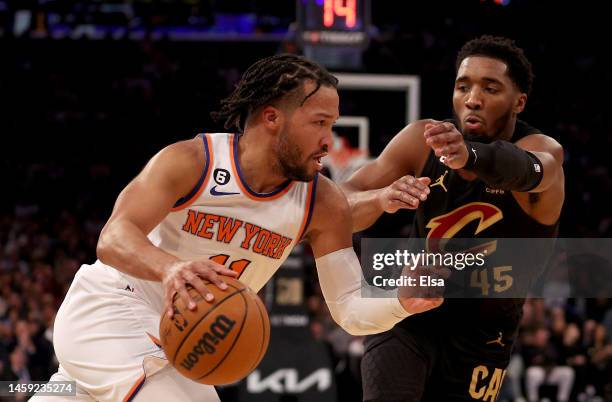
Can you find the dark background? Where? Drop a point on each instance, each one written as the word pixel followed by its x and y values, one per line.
pixel 79 117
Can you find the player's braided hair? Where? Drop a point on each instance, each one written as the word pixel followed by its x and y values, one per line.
pixel 268 80
pixel 504 49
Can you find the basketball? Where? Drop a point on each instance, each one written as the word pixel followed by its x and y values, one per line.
pixel 219 342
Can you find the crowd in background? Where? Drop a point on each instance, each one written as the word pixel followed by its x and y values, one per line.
pixel 79 118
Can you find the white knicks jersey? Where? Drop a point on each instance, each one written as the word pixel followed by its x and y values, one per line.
pixel 224 220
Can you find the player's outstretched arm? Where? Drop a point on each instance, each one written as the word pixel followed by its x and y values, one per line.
pixel 141 206
pixel 389 182
pixel 534 164
pixel 340 273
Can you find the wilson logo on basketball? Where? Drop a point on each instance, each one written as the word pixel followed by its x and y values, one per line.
pixel 217 332
pixel 180 322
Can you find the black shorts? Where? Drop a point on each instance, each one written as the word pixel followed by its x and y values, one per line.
pixel 424 365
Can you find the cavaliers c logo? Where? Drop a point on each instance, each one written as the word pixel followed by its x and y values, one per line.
pixel 448 225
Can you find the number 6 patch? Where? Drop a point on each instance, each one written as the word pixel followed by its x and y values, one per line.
pixel 221 176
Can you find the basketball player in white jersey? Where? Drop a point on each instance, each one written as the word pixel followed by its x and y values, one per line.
pixel 219 204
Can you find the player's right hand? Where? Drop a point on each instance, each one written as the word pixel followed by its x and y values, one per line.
pixel 407 192
pixel 180 273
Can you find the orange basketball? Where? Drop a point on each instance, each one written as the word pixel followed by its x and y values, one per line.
pixel 219 342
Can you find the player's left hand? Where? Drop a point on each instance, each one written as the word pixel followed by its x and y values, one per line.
pixel 423 295
pixel 447 143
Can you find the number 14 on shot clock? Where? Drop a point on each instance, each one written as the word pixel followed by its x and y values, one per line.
pixel 334 22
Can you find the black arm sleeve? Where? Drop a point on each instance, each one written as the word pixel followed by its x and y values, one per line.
pixel 503 165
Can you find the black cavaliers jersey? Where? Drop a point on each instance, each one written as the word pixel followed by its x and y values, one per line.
pixel 460 208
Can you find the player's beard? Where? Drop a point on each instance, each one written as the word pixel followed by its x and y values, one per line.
pixel 498 126
pixel 290 160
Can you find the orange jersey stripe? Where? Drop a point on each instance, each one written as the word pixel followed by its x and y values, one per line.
pixel 209 164
pixel 156 341
pixel 309 207
pixel 135 388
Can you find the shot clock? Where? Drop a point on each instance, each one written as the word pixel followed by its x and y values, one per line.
pixel 333 22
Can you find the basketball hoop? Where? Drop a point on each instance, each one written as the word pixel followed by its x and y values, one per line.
pixel 343 159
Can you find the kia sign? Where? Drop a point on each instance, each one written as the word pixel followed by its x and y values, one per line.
pixel 287 381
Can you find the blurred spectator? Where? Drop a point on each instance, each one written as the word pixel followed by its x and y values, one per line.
pixel 541 359
pixel 600 364
pixel 17 369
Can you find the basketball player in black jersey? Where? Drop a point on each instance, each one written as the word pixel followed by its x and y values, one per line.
pixel 490 175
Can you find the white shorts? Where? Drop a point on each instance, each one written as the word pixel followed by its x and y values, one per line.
pixel 104 338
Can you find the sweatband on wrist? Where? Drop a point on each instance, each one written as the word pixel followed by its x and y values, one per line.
pixel 503 165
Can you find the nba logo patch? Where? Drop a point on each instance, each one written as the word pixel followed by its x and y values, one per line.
pixel 537 168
